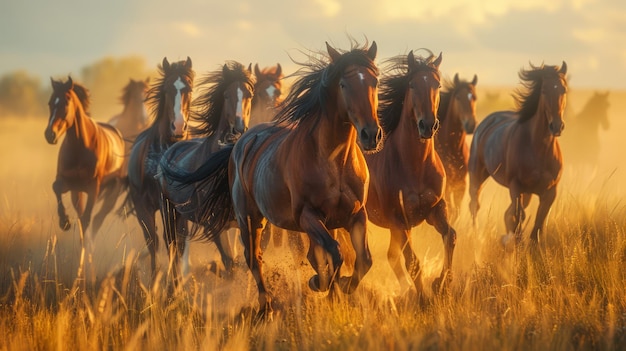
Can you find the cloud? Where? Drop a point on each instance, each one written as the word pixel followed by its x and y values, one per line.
pixel 188 29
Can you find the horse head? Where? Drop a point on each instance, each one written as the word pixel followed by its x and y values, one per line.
pixel 63 106
pixel 553 97
pixel 357 85
pixel 177 88
pixel 423 93
pixel 464 100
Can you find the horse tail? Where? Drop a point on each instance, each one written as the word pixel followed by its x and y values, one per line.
pixel 216 210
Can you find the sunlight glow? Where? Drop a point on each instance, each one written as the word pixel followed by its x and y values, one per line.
pixel 188 28
pixel 330 8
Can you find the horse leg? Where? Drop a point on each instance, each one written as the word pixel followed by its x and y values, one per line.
pixel 545 202
pixel 318 258
pixel 251 233
pixel 59 188
pixel 319 235
pixel 111 194
pixel 222 242
pixel 92 196
pixel 458 192
pixel 174 239
pixel 400 243
pixel 78 200
pixel 363 259
pixel 438 218
pixel 476 180
pixel 515 214
pixel 146 219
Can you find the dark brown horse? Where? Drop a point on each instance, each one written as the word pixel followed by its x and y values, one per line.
pixel 457 117
pixel 223 115
pixel 90 158
pixel 267 93
pixel 170 100
pixel 306 172
pixel 407 176
pixel 520 150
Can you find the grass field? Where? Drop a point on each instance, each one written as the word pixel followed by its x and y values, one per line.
pixel 54 295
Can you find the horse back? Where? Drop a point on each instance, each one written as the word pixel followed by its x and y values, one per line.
pixel 111 150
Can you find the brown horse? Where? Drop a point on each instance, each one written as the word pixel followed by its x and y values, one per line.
pixel 170 100
pixel 457 117
pixel 305 172
pixel 267 92
pixel 224 113
pixel 520 150
pixel 134 117
pixel 90 158
pixel 407 176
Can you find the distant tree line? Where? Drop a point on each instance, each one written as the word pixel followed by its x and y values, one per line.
pixel 24 94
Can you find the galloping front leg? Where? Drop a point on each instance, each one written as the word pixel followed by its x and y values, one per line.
pixel 438 218
pixel 92 196
pixel 545 203
pixel 514 215
pixel 59 188
pixel 476 180
pixel 363 260
pixel 112 192
pixel 319 234
pixel 251 234
pixel 400 243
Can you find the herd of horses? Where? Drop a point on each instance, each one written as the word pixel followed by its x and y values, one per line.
pixel 351 143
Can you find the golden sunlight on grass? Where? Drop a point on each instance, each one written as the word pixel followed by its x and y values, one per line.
pixel 56 295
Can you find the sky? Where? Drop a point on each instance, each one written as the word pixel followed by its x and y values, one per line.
pixel 491 38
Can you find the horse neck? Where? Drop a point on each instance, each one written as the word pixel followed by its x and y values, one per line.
pixel 333 134
pixel 451 132
pixel 135 110
pixel 83 129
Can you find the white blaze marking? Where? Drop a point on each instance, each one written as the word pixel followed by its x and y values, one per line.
pixel 239 99
pixel 469 96
pixel 270 91
pixel 178 109
pixel 362 77
pixel 54 112
pixel 425 79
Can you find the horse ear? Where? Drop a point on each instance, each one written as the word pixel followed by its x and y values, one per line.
pixel 165 64
pixel 257 71
pixel 279 70
pixel 410 58
pixel 563 69
pixel 373 50
pixel 437 61
pixel 147 80
pixel 188 63
pixel 70 82
pixel 475 80
pixel 225 69
pixel 250 67
pixel 334 54
pixel 456 79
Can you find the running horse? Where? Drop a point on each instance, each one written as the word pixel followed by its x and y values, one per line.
pixel 306 172
pixel 134 117
pixel 457 118
pixel 407 176
pixel 90 158
pixel 520 150
pixel 169 99
pixel 268 89
pixel 223 115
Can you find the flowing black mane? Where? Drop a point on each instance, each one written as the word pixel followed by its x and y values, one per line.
pixel 210 103
pixel 309 93
pixel 394 85
pixel 527 98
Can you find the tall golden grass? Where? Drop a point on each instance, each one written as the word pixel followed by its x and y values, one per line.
pixel 57 295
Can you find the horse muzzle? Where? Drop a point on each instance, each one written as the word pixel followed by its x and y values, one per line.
pixel 556 128
pixel 51 136
pixel 371 139
pixel 427 131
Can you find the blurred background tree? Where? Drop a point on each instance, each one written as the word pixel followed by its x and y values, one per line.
pixel 23 94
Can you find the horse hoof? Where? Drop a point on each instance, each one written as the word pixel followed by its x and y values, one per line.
pixel 65 224
pixel 314 283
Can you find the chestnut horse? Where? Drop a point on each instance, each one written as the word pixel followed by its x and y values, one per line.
pixel 267 92
pixel 520 150
pixel 170 100
pixel 407 176
pixel 223 115
pixel 305 172
pixel 90 158
pixel 457 118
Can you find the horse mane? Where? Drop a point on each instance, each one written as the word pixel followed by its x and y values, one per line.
pixel 83 96
pixel 394 85
pixel 127 92
pixel 309 94
pixel 527 98
pixel 211 101
pixel 447 92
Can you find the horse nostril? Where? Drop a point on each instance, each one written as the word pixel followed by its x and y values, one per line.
pixel 364 134
pixel 379 135
pixel 173 126
pixel 421 125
